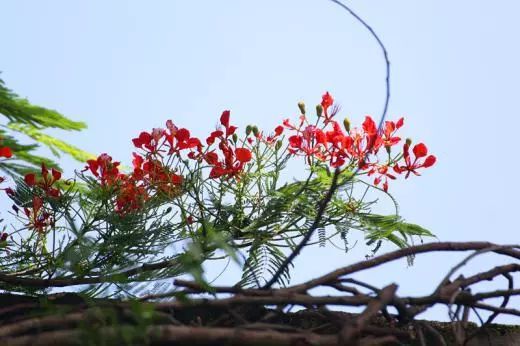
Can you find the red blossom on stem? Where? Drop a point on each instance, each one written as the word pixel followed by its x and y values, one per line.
pixel 326 102
pixel 233 158
pixel 420 150
pixel 104 169
pixel 46 182
pixel 6 152
pixel 358 147
pixel 227 156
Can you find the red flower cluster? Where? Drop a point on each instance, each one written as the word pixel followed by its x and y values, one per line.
pixel 151 173
pixel 38 218
pixel 46 182
pixel 155 166
pixel 233 158
pixel 357 146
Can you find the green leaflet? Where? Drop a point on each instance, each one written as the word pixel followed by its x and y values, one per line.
pixel 18 109
pixel 54 144
pixel 30 120
pixel 385 227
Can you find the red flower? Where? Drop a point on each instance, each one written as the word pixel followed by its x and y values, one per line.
pixel 130 196
pixel 308 142
pixel 326 102
pixel 104 169
pixel 270 139
pixel 389 139
pixel 243 155
pixel 46 182
pixel 30 179
pixel 232 164
pixel 180 139
pixel 420 150
pixel 144 140
pixel 382 171
pixel 6 152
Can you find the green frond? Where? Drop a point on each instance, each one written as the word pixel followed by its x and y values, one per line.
pixel 19 110
pixel 54 144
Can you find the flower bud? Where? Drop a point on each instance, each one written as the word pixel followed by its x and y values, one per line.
pixel 235 138
pixel 278 145
pixel 248 129
pixel 346 124
pixel 319 110
pixel 255 130
pixel 408 141
pixel 301 105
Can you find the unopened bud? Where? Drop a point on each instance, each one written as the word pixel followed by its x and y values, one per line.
pixel 346 124
pixel 248 129
pixel 319 110
pixel 301 105
pixel 235 138
pixel 278 145
pixel 408 141
pixel 255 130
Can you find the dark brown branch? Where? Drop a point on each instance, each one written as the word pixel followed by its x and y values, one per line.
pixel 350 331
pixel 392 256
pixel 184 335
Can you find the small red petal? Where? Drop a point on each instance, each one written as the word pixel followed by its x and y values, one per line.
pixel 217 172
pixel 243 154
pixel 182 135
pixel 230 130
pixel 37 204
pixel 176 179
pixel 326 100
pixel 137 161
pixel 224 118
pixel 6 152
pixel 430 161
pixel 278 130
pixel 211 158
pixel 194 142
pixel 30 179
pixel 44 171
pixel 295 141
pixel 369 125
pixel 56 174
pixel 420 150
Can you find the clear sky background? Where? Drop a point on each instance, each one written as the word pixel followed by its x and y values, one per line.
pixel 127 66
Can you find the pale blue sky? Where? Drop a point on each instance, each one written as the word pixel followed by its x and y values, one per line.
pixel 125 66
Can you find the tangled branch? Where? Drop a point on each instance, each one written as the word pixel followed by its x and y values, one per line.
pixel 247 316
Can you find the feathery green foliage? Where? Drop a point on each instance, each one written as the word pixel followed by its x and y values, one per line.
pixel 31 120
